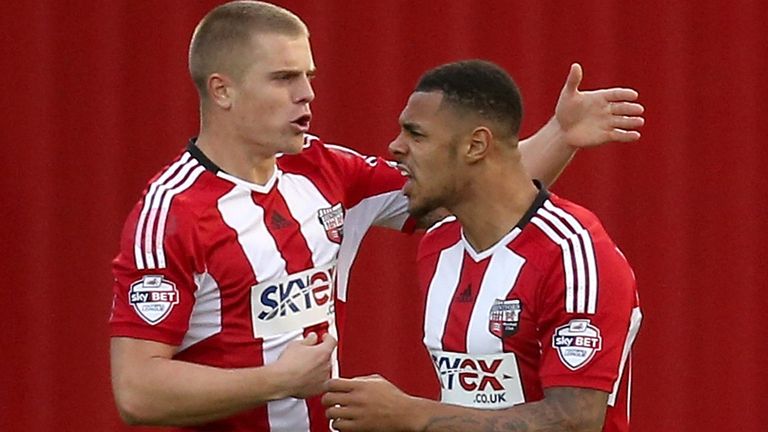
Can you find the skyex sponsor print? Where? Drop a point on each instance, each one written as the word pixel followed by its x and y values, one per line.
pixel 153 297
pixel 293 302
pixel 490 381
pixel 577 342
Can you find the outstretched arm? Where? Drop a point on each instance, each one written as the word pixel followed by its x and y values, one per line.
pixel 374 404
pixel 582 119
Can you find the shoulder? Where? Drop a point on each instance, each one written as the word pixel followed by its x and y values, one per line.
pixel 441 235
pixel 318 152
pixel 561 221
pixel 171 204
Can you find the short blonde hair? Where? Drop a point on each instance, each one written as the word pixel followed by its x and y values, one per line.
pixel 222 36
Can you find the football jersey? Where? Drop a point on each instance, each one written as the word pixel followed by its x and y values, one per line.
pixel 553 303
pixel 231 272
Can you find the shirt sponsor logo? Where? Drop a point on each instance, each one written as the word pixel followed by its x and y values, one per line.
pixel 577 342
pixel 293 302
pixel 504 317
pixel 332 219
pixel 153 297
pixel 482 381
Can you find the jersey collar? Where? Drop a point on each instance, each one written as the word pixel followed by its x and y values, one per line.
pixel 198 154
pixel 541 197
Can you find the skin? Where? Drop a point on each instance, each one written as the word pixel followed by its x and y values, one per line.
pixel 374 404
pixel 249 120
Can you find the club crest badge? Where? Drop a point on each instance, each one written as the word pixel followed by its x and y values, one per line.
pixel 504 317
pixel 577 342
pixel 153 297
pixel 332 219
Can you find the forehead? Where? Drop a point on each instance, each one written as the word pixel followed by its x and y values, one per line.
pixel 280 51
pixel 422 106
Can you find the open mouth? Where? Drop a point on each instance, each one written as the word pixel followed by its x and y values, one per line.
pixel 302 122
pixel 404 170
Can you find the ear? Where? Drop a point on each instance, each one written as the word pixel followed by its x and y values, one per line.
pixel 479 144
pixel 220 91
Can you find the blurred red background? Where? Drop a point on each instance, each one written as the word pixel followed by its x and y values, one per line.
pixel 96 98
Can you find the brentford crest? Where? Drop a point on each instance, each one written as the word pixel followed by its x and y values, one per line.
pixel 332 219
pixel 504 317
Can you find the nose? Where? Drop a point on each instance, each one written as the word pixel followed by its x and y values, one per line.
pixel 304 92
pixel 398 147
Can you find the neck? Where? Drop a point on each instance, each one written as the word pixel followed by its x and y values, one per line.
pixel 245 160
pixel 493 207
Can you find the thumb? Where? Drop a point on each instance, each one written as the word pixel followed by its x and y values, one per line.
pixel 310 339
pixel 574 79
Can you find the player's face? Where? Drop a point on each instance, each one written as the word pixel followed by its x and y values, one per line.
pixel 271 103
pixel 427 152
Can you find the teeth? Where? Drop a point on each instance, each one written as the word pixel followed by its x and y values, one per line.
pixel 404 171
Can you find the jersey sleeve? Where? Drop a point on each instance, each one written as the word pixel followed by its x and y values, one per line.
pixel 154 285
pixel 373 189
pixel 586 320
pixel 373 196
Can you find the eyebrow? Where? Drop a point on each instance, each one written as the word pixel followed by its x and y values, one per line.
pixel 294 72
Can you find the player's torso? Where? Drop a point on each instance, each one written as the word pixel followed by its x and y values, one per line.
pixel 266 265
pixel 484 349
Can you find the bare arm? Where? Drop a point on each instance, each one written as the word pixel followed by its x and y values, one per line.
pixel 562 409
pixel 151 388
pixel 582 119
pixel 374 404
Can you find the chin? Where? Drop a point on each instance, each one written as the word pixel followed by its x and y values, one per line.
pixel 418 211
pixel 294 146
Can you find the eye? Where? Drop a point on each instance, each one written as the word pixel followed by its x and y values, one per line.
pixel 417 136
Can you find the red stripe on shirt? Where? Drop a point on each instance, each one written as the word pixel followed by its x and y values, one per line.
pixel 462 304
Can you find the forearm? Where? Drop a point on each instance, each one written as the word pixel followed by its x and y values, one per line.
pixel 563 409
pixel 537 416
pixel 171 392
pixel 546 153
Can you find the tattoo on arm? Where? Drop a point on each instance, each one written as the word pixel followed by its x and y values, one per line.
pixel 563 409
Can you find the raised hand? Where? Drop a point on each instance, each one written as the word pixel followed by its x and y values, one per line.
pixel 592 118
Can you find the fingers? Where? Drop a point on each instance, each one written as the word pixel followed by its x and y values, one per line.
pixel 626 108
pixel 370 377
pixel 331 399
pixel 574 79
pixel 619 135
pixel 329 341
pixel 342 424
pixel 340 385
pixel 310 339
pixel 627 123
pixel 618 94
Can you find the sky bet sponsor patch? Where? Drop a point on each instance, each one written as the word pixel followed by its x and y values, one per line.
pixel 577 342
pixel 153 297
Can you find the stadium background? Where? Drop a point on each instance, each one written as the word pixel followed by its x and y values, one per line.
pixel 95 99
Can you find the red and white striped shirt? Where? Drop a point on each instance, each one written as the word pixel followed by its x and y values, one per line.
pixel 231 272
pixel 553 303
